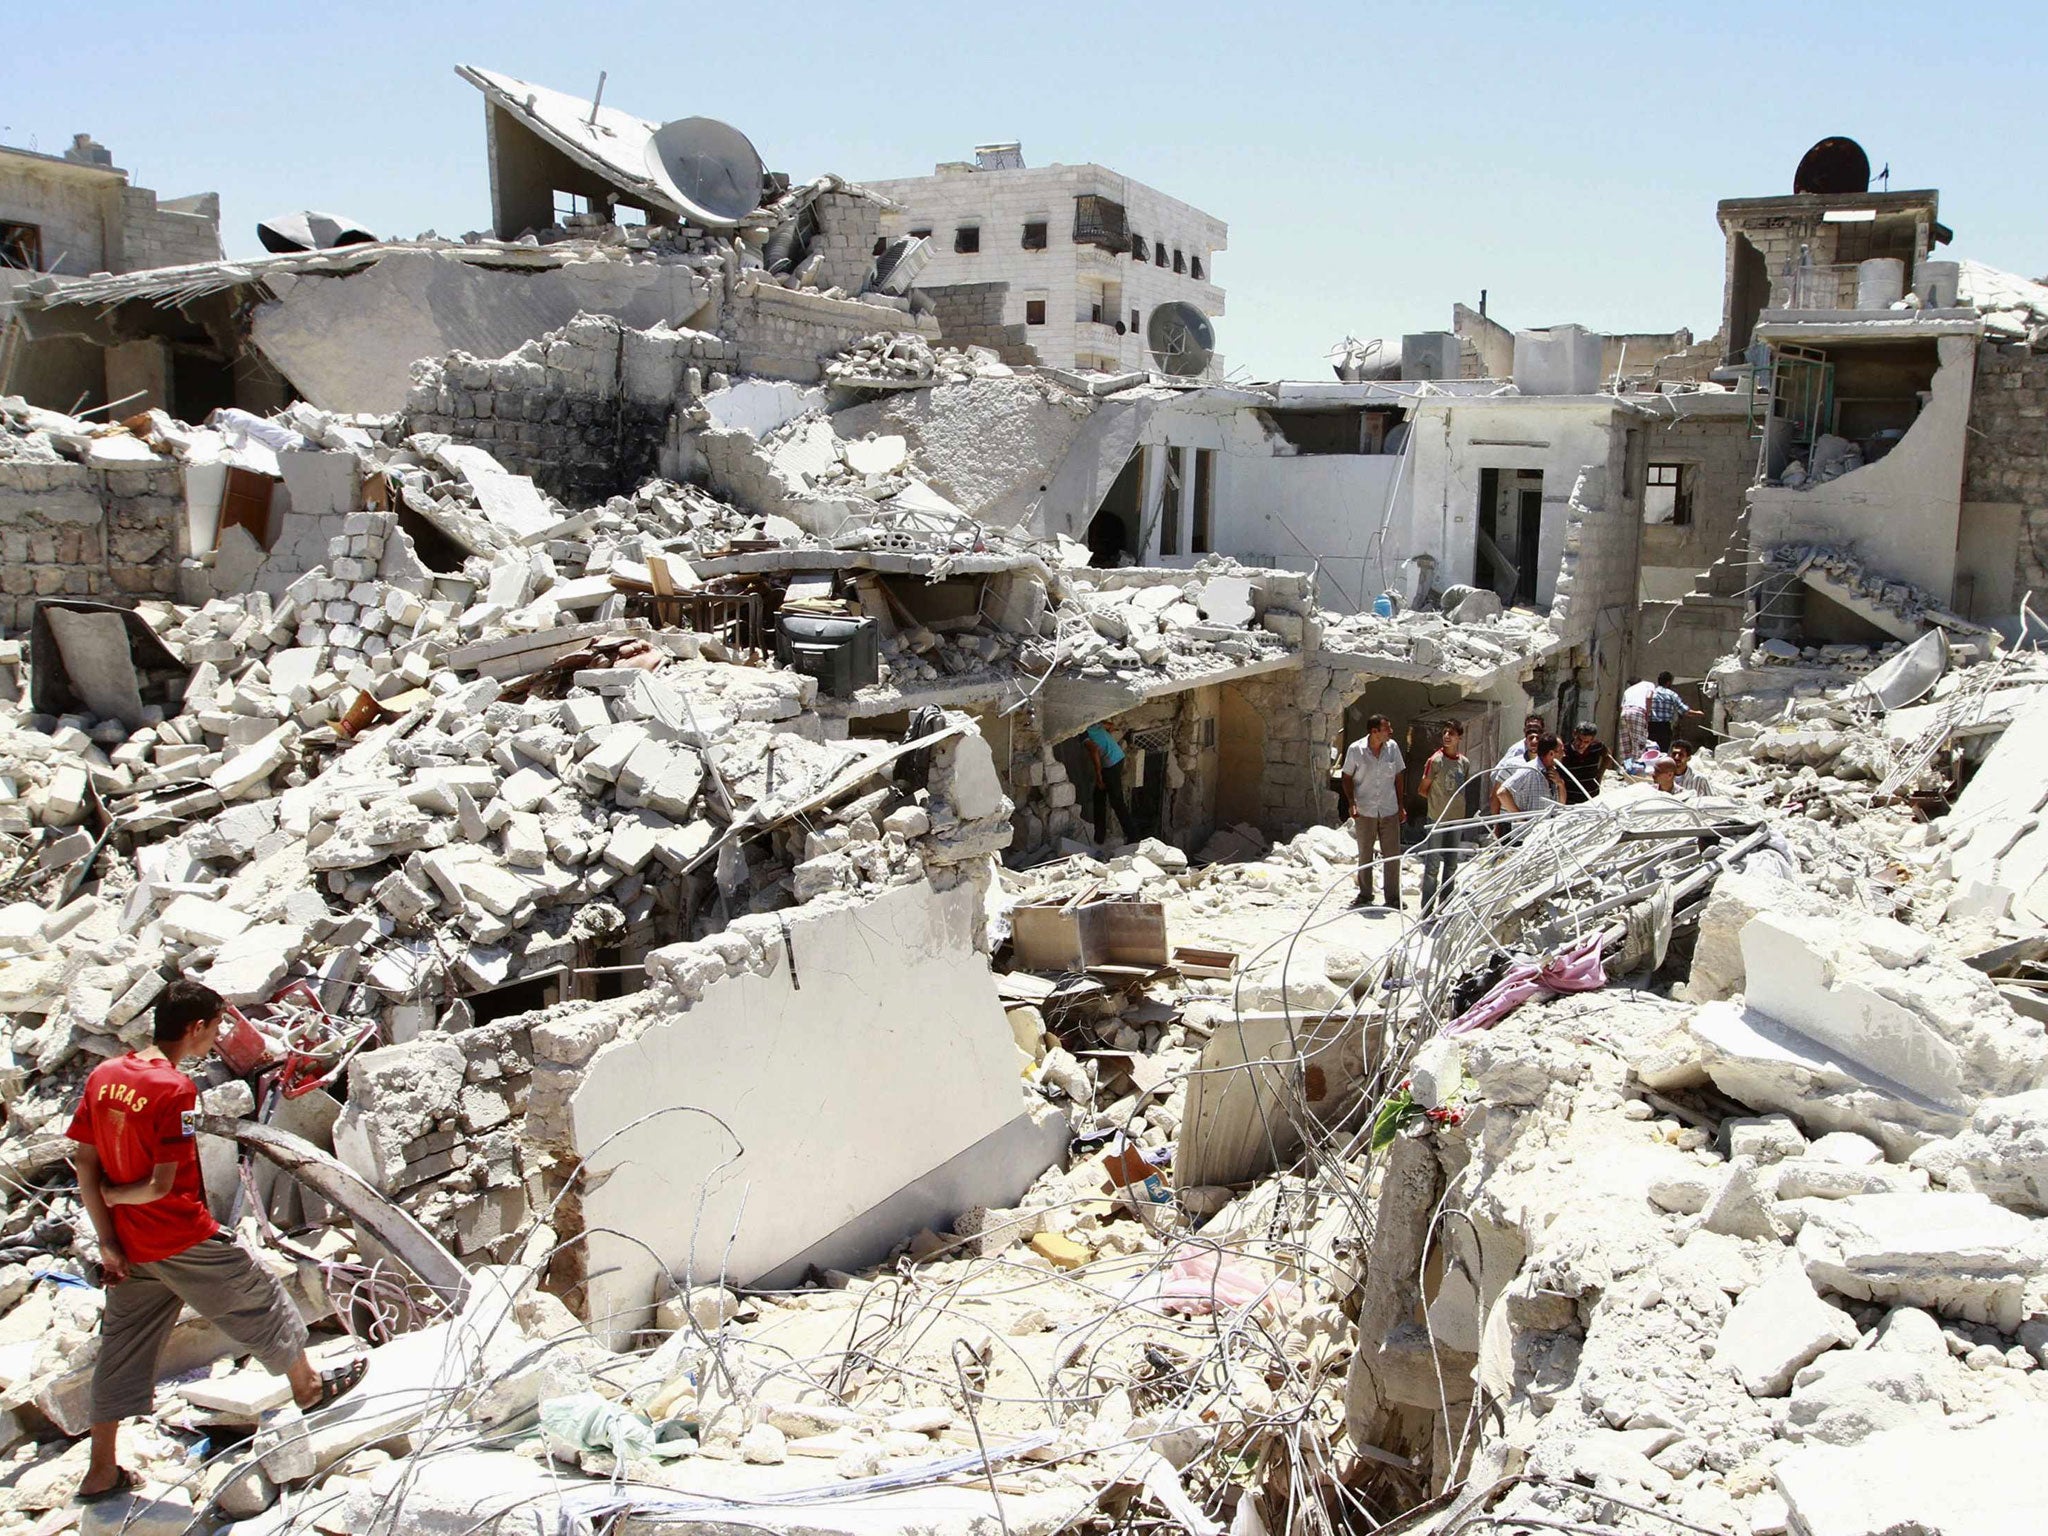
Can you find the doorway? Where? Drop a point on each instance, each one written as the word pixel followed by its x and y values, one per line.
pixel 1510 533
pixel 1113 533
pixel 1240 758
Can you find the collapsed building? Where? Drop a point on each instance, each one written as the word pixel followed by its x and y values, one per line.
pixel 609 717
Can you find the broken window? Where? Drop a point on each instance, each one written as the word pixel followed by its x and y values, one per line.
pixel 570 206
pixel 1205 496
pixel 1323 431
pixel 1179 265
pixel 21 246
pixel 1667 495
pixel 967 239
pixel 1134 322
pixel 921 234
pixel 1034 236
pixel 1159 255
pixel 1034 311
pixel 1195 268
pixel 1100 222
pixel 1139 250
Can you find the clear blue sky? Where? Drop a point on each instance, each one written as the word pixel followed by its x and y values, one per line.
pixel 1374 162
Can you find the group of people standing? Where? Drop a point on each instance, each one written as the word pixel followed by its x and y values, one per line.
pixel 1463 804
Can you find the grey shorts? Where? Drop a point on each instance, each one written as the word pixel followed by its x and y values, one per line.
pixel 220 1282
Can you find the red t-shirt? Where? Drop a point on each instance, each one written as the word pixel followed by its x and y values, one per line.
pixel 136 1112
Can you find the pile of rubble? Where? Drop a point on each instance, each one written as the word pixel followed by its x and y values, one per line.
pixel 885 361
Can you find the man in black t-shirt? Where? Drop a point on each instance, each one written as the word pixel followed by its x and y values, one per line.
pixel 1583 760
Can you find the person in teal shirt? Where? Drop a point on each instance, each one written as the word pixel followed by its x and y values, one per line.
pixel 1109 783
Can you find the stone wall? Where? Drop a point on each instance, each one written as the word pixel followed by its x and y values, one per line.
pixel 2008 451
pixel 849 224
pixel 1721 458
pixel 154 234
pixel 585 410
pixel 72 530
pixel 971 315
pixel 786 333
pixel 1688 636
pixel 435 1123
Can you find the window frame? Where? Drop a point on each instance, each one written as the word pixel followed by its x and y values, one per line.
pixel 1043 227
pixel 966 239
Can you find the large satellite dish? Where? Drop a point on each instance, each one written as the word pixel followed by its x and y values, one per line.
pixel 710 166
pixel 1181 339
pixel 1833 165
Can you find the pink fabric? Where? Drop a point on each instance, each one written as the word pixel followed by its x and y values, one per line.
pixel 1202 1279
pixel 1573 970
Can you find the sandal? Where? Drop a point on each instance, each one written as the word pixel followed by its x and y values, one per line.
pixel 338 1382
pixel 124 1483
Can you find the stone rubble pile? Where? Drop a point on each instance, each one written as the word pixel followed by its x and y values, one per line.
pixel 903 359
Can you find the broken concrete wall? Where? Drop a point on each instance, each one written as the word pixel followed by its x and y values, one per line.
pixel 2005 484
pixel 820 1061
pixel 78 530
pixel 1561 437
pixel 435 1124
pixel 786 333
pixel 1324 511
pixel 849 224
pixel 348 342
pixel 586 411
pixel 156 233
pixel 971 315
pixel 1688 637
pixel 1707 436
pixel 1900 515
pixel 987 445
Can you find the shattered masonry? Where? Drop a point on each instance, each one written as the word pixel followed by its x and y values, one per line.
pixel 609 702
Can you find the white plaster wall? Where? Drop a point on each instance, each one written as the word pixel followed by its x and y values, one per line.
pixel 1002 202
pixel 885 1056
pixel 1325 508
pixel 1453 441
pixel 1900 515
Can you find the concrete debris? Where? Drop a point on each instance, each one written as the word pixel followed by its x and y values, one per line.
pixel 775 865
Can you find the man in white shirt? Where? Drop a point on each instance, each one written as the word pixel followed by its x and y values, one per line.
pixel 1516 758
pixel 1375 788
pixel 1533 786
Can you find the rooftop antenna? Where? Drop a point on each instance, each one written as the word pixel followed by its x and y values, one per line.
pixel 1885 176
pixel 598 97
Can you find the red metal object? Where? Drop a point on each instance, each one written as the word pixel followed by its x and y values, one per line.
pixel 241 1045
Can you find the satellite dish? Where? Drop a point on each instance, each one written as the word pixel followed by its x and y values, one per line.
pixel 709 166
pixel 311 231
pixel 1833 165
pixel 1181 339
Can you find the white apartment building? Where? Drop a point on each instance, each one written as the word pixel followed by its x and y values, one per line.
pixel 1077 255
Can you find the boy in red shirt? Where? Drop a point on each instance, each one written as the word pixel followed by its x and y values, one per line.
pixel 138 1174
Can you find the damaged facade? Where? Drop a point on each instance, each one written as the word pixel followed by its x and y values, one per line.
pixel 614 703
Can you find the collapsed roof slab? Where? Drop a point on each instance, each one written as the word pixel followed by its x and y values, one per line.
pixel 533 130
pixel 350 345
pixel 1071 702
pixel 346 325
